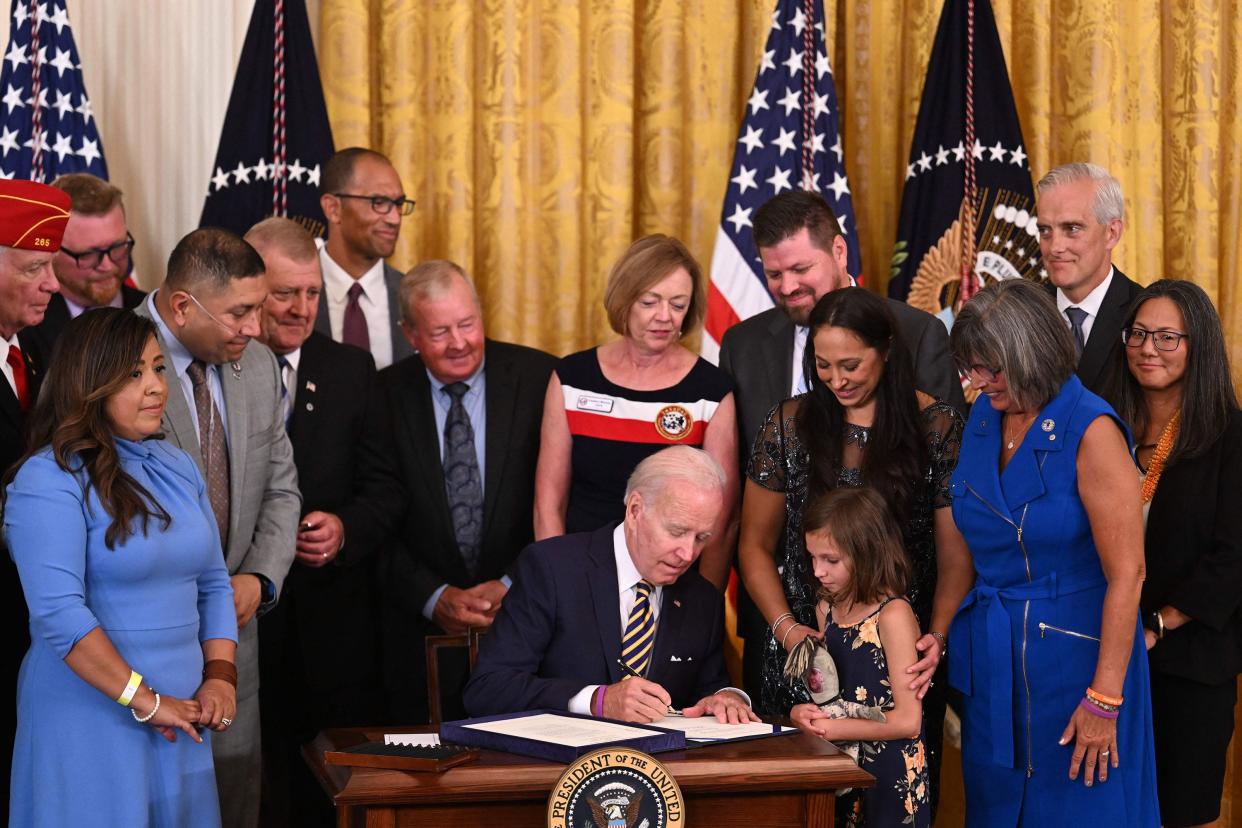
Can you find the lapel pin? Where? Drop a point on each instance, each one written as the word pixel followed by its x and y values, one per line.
pixel 236 370
pixel 1048 425
pixel 310 406
pixel 310 386
pixel 677 603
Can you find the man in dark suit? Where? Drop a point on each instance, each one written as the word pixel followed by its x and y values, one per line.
pixel 318 655
pixel 1080 214
pixel 94 256
pixel 804 257
pixel 363 201
pixel 464 415
pixel 614 622
pixel 32 220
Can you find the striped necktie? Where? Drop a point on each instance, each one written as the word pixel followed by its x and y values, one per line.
pixel 639 635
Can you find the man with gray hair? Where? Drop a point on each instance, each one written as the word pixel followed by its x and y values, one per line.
pixel 1080 214
pixel 615 623
pixel 463 417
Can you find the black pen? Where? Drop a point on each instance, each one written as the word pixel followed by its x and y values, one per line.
pixel 632 673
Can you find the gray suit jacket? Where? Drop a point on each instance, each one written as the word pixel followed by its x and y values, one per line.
pixel 401 347
pixel 264 502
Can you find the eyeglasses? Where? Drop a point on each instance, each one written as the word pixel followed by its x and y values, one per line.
pixel 982 371
pixel 1163 340
pixel 91 259
pixel 383 204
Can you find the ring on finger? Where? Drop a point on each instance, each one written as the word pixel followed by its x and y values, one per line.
pixel 226 721
pixel 1105 752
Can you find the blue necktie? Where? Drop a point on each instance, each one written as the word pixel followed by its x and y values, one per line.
pixel 462 482
pixel 1076 317
pixel 639 635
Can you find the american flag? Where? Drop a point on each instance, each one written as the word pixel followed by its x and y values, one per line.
pixel 47 127
pixel 791 137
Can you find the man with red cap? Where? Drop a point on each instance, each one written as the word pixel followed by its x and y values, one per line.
pixel 32 221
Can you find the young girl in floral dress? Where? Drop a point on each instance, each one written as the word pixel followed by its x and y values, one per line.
pixel 869 629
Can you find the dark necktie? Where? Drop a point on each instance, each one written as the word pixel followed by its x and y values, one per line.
pixel 18 363
pixel 214 449
pixel 639 631
pixel 286 404
pixel 354 329
pixel 1076 317
pixel 462 482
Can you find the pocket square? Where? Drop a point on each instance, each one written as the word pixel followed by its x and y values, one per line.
pixel 678 658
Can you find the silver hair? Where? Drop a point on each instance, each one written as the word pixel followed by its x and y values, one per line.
pixel 1109 204
pixel 688 465
pixel 430 278
pixel 1013 325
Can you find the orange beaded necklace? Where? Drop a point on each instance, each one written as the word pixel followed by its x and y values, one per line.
pixel 1168 438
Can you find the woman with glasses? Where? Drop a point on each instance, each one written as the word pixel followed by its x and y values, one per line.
pixel 1173 388
pixel 1046 648
pixel 862 423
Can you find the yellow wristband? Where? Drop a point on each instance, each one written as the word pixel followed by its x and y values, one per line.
pixel 127 695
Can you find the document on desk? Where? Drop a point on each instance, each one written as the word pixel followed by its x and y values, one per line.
pixel 562 730
pixel 708 729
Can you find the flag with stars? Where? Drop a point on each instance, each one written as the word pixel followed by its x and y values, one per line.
pixel 790 137
pixel 276 133
pixel 47 128
pixel 967 134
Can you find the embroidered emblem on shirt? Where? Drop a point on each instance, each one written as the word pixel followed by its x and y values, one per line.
pixel 673 422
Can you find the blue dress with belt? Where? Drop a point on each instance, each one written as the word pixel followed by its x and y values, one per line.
pixel 1024 645
pixel 79 757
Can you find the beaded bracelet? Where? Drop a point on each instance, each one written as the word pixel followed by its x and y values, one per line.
pixel 1091 708
pixel 1097 696
pixel 127 695
pixel 1108 708
pixel 149 716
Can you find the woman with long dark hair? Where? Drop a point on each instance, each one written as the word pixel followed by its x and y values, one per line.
pixel 861 423
pixel 1172 386
pixel 132 626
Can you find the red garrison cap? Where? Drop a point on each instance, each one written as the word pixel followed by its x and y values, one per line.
pixel 32 215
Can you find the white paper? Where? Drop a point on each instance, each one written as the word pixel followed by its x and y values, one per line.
pixel 412 739
pixel 562 730
pixel 708 729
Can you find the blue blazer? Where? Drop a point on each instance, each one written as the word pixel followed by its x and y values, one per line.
pixel 559 630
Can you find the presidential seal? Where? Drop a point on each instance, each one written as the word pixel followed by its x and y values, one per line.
pixel 616 788
pixel 673 422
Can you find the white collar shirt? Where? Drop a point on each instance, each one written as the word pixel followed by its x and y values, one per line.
pixel 1091 304
pixel 373 302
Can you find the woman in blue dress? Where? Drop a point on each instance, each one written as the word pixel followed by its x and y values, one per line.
pixel 132 627
pixel 1046 648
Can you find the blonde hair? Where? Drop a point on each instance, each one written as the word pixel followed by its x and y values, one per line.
pixel 646 262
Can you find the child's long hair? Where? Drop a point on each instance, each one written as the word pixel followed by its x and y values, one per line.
pixel 861 526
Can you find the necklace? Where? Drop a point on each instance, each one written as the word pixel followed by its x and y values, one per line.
pixel 1163 446
pixel 1021 431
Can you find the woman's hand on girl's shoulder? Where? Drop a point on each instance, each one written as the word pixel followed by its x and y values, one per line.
pixel 810 719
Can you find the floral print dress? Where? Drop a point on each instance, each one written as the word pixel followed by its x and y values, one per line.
pixel 900 794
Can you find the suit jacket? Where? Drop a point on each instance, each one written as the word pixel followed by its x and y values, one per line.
pixel 264 503
pixel 57 316
pixel 1194 561
pixel 401 347
pixel 1100 351
pixel 559 630
pixel 343 468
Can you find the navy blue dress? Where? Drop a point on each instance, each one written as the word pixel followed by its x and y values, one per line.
pixel 1024 645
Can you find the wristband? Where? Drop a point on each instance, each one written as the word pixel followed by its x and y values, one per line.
pixel 1095 710
pixel 219 668
pixel 149 716
pixel 1096 696
pixel 597 702
pixel 127 695
pixel 944 642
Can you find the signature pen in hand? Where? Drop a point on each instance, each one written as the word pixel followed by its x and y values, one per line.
pixel 632 673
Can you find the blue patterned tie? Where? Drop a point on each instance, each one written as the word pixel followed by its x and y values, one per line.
pixel 1076 317
pixel 639 635
pixel 286 405
pixel 462 482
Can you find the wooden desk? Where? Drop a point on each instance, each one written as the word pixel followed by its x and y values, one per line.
pixel 764 783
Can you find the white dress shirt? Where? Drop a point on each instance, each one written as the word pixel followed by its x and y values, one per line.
pixel 373 302
pixel 798 383
pixel 181 358
pixel 1091 304
pixel 289 376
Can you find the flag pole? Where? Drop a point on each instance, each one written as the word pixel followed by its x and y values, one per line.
pixel 970 196
pixel 807 173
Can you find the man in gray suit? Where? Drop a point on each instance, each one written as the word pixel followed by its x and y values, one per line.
pixel 804 257
pixel 363 201
pixel 228 417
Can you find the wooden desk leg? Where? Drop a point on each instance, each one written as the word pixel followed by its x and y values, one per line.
pixel 381 818
pixel 821 810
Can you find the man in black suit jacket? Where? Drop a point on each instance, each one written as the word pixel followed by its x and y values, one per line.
pixel 446 574
pixel 94 256
pixel 590 611
pixel 1080 216
pixel 319 660
pixel 804 257
pixel 32 220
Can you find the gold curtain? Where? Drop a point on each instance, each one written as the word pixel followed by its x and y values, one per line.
pixel 540 138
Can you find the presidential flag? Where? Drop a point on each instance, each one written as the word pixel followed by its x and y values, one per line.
pixel 47 128
pixel 276 133
pixel 968 204
pixel 791 137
